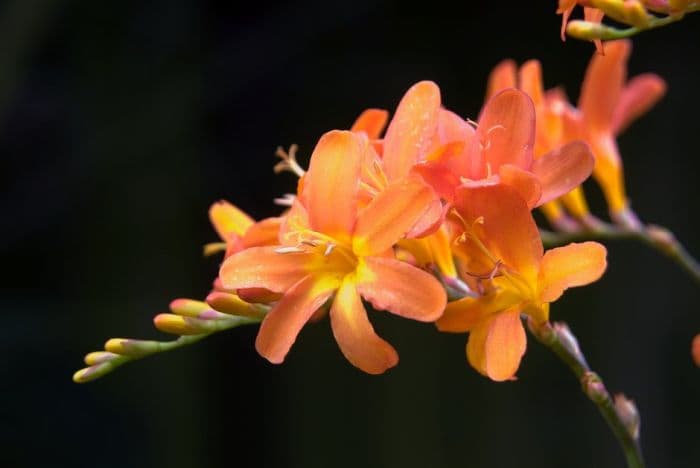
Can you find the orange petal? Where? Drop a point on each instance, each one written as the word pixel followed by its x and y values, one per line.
pixel 509 230
pixel 355 334
pixel 569 266
pixel 602 85
pixel 429 221
pixel 401 289
pixel 595 15
pixel 391 215
pixel 227 219
pixel 504 346
pixel 464 314
pixel 641 94
pixel 371 122
pixel 265 267
pixel 524 182
pixel 530 78
pixel 452 128
pixel 563 169
pixel 280 327
pixel 411 130
pixel 265 232
pixel 501 77
pixel 505 135
pixel 331 184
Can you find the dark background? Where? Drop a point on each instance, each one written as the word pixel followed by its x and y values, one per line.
pixel 120 122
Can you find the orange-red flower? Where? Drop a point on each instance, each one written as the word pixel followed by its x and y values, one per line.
pixel 503 256
pixel 331 249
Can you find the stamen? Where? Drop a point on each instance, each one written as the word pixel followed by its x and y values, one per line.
pixel 288 161
pixel 285 200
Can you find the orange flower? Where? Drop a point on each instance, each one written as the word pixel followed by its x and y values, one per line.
pixel 330 249
pixel 502 251
pixel 608 104
pixel 501 151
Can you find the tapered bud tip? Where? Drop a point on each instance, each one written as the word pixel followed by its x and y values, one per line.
pixel 628 413
pixel 188 307
pixel 230 304
pixel 696 350
pixel 93 372
pixel 131 348
pixel 98 357
pixel 593 387
pixel 177 325
pixel 588 31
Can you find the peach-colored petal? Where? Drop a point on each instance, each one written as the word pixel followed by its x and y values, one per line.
pixel 331 183
pixel 595 15
pixel 530 79
pixel 429 221
pixel 265 267
pixel 280 327
pixel 452 128
pixel 228 219
pixel 401 289
pixel 524 182
pixel 505 345
pixel 505 135
pixel 464 314
pixel 639 95
pixel 509 230
pixel 371 122
pixel 265 232
pixel 602 85
pixel 412 128
pixel 355 334
pixel 563 169
pixel 391 215
pixel 569 266
pixel 502 76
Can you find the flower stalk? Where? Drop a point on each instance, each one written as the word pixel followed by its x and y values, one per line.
pixel 620 413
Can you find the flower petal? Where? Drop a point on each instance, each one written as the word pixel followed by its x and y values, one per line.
pixel 390 215
pixel 524 182
pixel 280 327
pixel 464 314
pixel 331 183
pixel 602 85
pixel 264 232
pixel 401 289
pixel 504 346
pixel 530 78
pixel 265 267
pixel 228 219
pixel 412 128
pixel 509 231
pixel 563 169
pixel 569 266
pixel 639 95
pixel 452 128
pixel 355 334
pixel 501 77
pixel 505 135
pixel 371 122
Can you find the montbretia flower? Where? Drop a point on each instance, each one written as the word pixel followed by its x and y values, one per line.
pixel 501 150
pixel 503 256
pixel 608 104
pixel 331 249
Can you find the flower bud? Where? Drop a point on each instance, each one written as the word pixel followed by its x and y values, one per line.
pixel 178 325
pixel 98 357
pixel 231 304
pixel 188 307
pixel 590 31
pixel 628 413
pixel 132 348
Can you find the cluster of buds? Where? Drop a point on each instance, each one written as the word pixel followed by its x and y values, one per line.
pixel 430 220
pixel 637 15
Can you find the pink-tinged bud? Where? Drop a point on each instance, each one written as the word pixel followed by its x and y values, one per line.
pixel 231 304
pixel 695 350
pixel 594 388
pixel 93 372
pixel 569 341
pixel 628 413
pixel 188 307
pixel 178 325
pixel 132 348
pixel 98 357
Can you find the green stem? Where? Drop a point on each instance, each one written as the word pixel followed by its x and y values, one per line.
pixel 656 237
pixel 623 421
